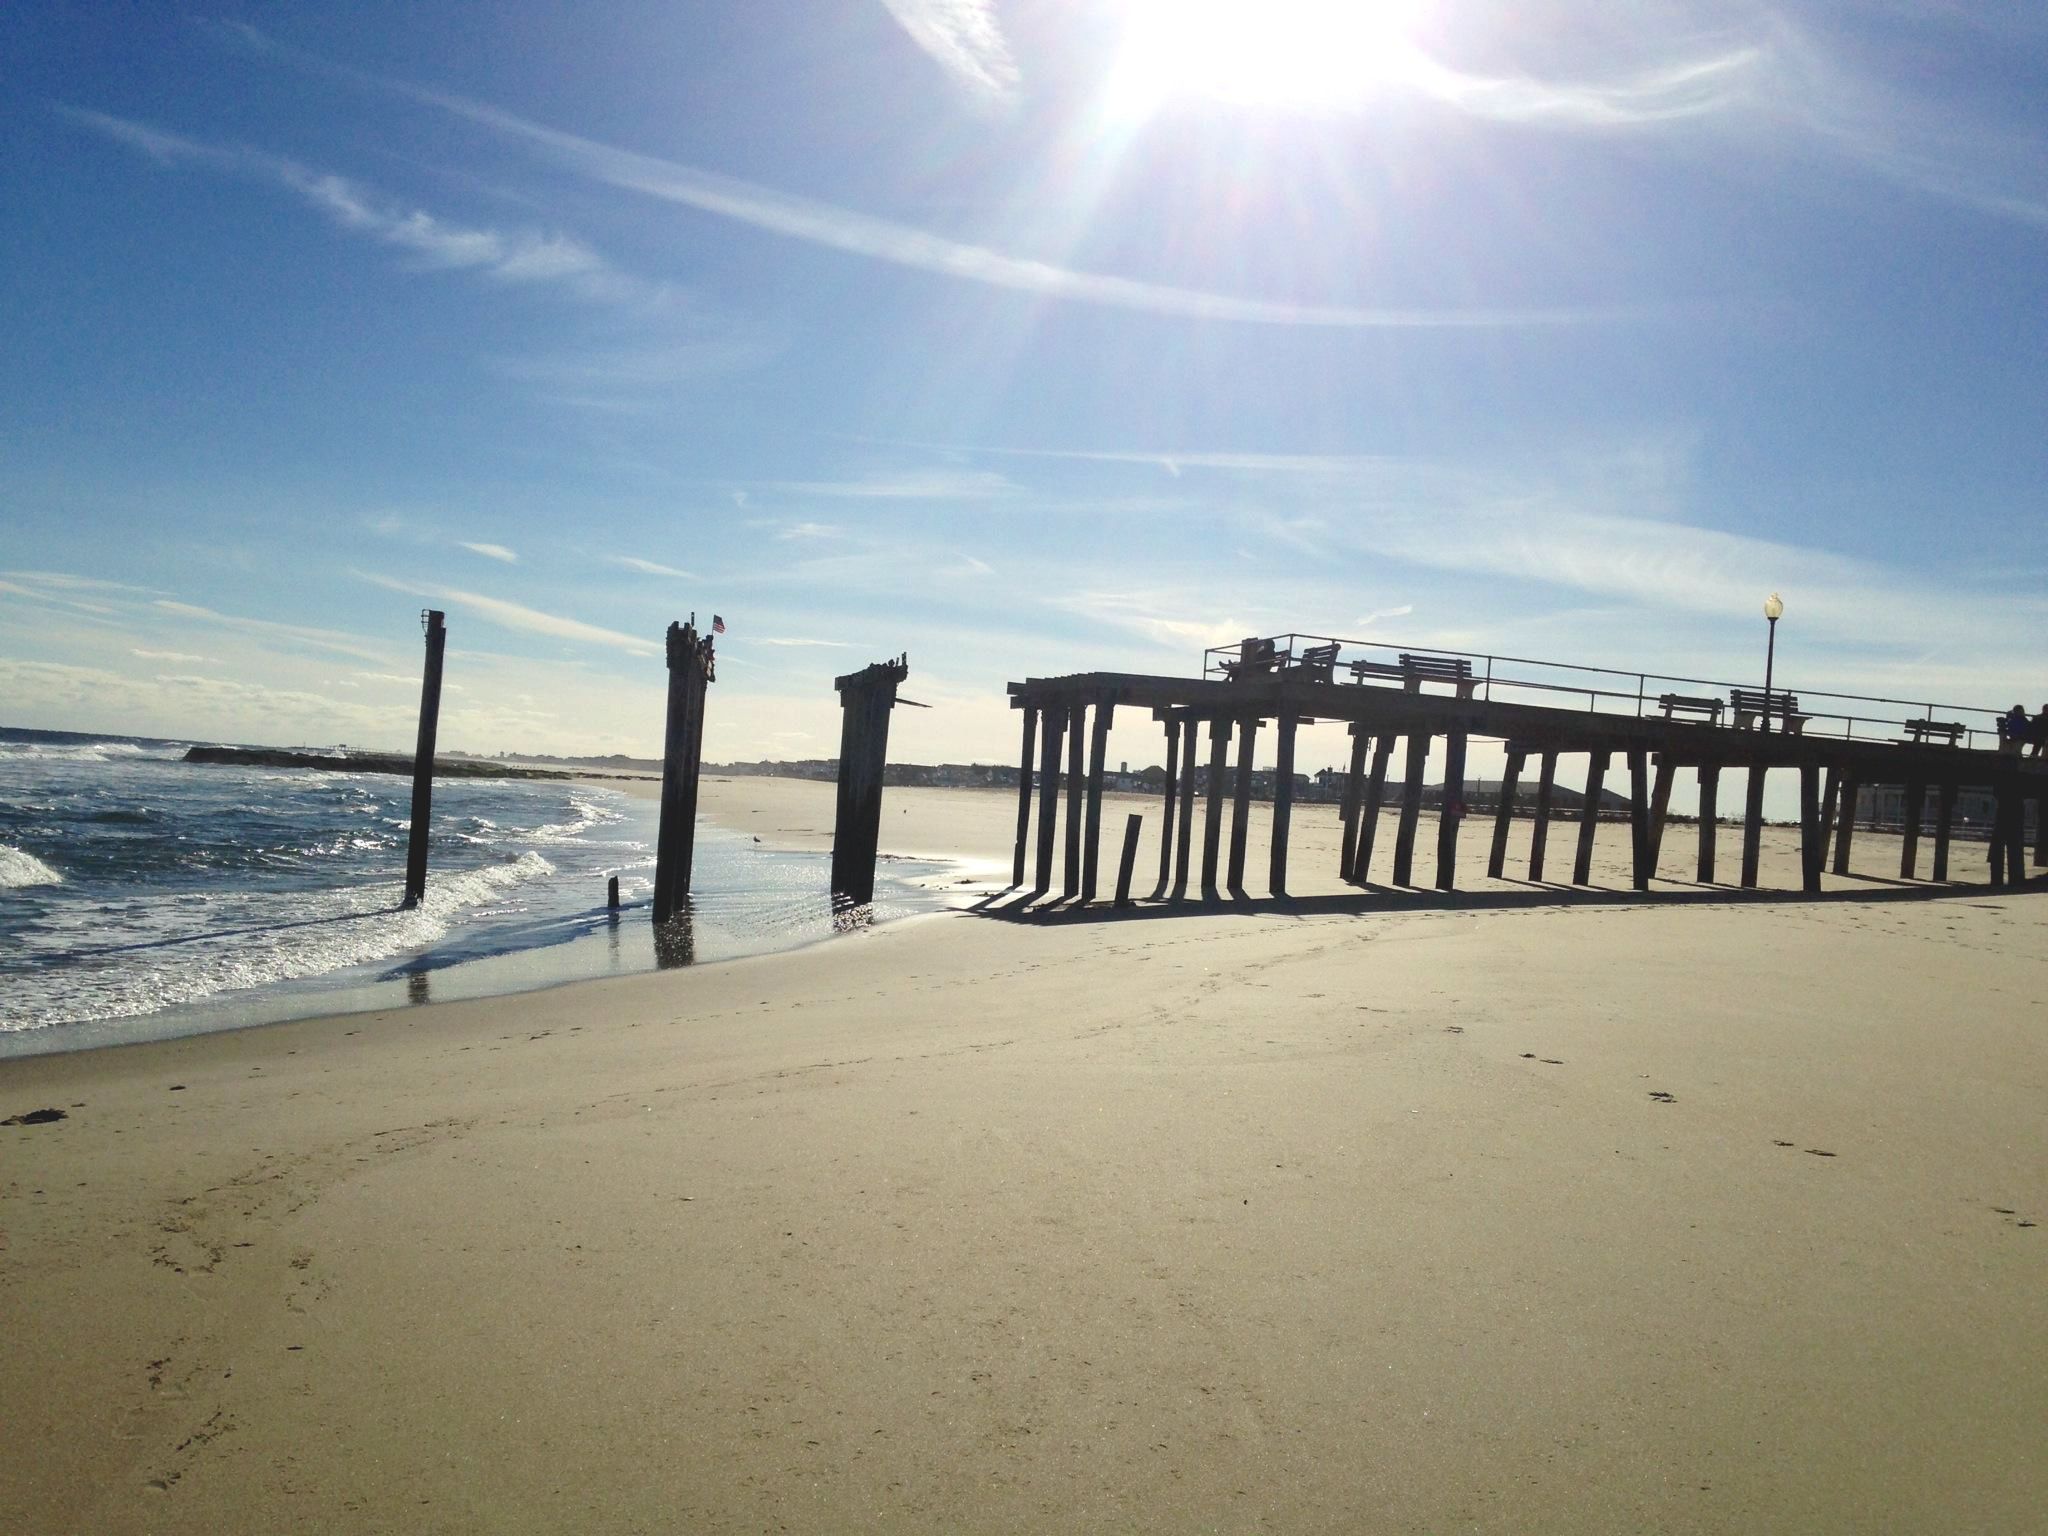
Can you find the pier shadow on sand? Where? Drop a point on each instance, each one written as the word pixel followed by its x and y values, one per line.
pixel 1020 904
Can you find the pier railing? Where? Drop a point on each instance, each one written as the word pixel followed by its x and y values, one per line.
pixel 1608 690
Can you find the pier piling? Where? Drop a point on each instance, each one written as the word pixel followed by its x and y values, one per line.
pixel 1052 725
pixel 1589 817
pixel 867 698
pixel 1504 813
pixel 1710 822
pixel 1539 832
pixel 1411 808
pixel 1369 809
pixel 1212 822
pixel 1283 804
pixel 1909 846
pixel 1347 811
pixel 1166 810
pixel 1098 749
pixel 1241 802
pixel 1184 839
pixel 1752 824
pixel 1024 795
pixel 1845 822
pixel 1451 812
pixel 691 667
pixel 1129 861
pixel 435 623
pixel 1944 820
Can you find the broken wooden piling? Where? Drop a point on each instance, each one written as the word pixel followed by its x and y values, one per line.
pixel 435 622
pixel 867 698
pixel 691 667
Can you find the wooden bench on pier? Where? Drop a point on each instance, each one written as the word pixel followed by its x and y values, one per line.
pixel 1753 704
pixel 1687 704
pixel 1316 663
pixel 1414 671
pixel 1933 733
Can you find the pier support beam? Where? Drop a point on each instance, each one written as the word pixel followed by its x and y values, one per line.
pixel 1411 807
pixel 1070 883
pixel 1053 727
pixel 1812 829
pixel 1710 822
pixel 1098 748
pixel 1845 822
pixel 1944 821
pixel 435 623
pixel 1639 817
pixel 1212 825
pixel 1283 803
pixel 1909 847
pixel 1504 814
pixel 1539 833
pixel 1589 819
pixel 866 700
pixel 1354 788
pixel 691 667
pixel 1024 795
pixel 1369 809
pixel 1451 812
pixel 1184 840
pixel 1166 811
pixel 1660 808
pixel 1827 811
pixel 1752 825
pixel 1241 802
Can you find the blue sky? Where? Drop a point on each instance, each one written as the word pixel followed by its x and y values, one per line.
pixel 1026 337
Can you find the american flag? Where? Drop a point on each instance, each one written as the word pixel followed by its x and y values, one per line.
pixel 717 625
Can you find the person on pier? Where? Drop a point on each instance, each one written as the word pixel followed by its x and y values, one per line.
pixel 2014 729
pixel 2037 734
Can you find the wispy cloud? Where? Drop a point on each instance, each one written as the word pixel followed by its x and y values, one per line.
pixel 860 234
pixel 1684 88
pixel 967 41
pixel 490 551
pixel 811 531
pixel 536 257
pixel 511 615
pixel 649 567
pixel 837 645
pixel 297 635
pixel 187 657
pixel 908 485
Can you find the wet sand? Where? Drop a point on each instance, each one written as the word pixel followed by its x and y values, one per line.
pixel 1517 1213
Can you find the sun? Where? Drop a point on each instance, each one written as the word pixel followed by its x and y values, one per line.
pixel 1280 53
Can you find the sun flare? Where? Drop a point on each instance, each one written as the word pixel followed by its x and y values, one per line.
pixel 1285 53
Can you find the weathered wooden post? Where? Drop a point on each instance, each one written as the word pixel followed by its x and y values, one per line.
pixel 1827 811
pixel 1752 825
pixel 1184 839
pixel 611 894
pixel 1283 803
pixel 1212 825
pixel 1504 813
pixel 1909 845
pixel 1845 823
pixel 1347 812
pixel 1369 810
pixel 435 622
pixel 1098 749
pixel 866 700
pixel 1639 817
pixel 1411 807
pixel 1710 819
pixel 1660 808
pixel 1052 724
pixel 1589 817
pixel 2040 831
pixel 1241 802
pixel 2009 832
pixel 1451 811
pixel 691 666
pixel 1070 884
pixel 1811 854
pixel 1024 795
pixel 1129 861
pixel 1944 818
pixel 1539 833
pixel 1166 811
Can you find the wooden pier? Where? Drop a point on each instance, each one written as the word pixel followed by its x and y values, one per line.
pixel 1383 705
pixel 867 698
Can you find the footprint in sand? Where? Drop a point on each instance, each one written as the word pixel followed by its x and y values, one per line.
pixel 1662 1097
pixel 1817 1152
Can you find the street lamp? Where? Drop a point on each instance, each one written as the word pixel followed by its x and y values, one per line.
pixel 1774 610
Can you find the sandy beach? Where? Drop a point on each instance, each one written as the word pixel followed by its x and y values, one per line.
pixel 1514 1213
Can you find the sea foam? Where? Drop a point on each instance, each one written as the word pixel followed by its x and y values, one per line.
pixel 19 868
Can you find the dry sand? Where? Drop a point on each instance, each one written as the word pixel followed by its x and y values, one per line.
pixel 1519 1214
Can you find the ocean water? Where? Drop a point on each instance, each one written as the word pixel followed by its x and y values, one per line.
pixel 142 896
